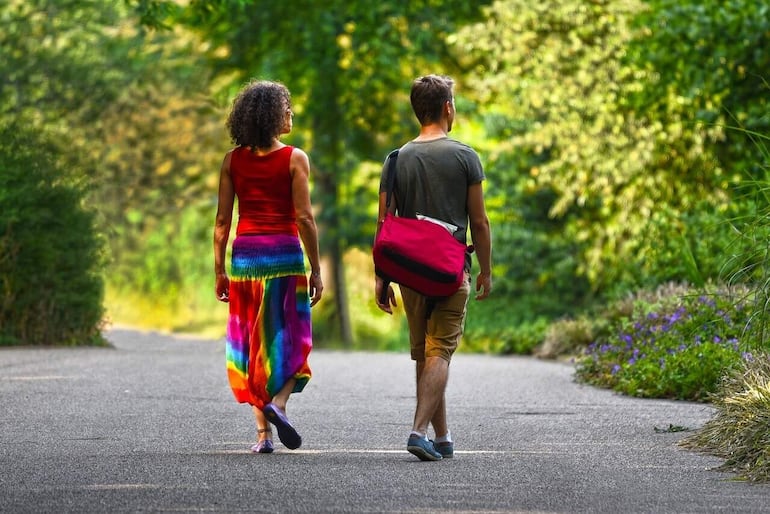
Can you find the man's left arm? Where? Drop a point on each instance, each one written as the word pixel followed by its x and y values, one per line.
pixel 481 234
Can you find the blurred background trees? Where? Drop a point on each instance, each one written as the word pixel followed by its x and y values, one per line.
pixel 616 135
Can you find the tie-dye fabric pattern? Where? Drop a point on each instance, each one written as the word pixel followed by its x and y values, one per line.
pixel 269 333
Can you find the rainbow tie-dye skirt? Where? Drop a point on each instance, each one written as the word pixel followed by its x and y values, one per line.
pixel 269 335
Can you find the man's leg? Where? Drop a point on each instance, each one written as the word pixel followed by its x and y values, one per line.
pixel 438 420
pixel 431 384
pixel 443 332
pixel 432 370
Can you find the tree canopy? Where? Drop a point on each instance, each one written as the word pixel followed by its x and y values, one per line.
pixel 350 66
pixel 595 94
pixel 615 134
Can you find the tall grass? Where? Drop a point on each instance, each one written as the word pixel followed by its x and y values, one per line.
pixel 740 430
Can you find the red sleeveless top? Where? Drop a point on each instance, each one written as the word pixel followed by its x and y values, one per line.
pixel 263 186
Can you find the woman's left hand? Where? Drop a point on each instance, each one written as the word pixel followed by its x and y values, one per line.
pixel 316 288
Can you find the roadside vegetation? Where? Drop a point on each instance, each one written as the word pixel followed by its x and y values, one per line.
pixel 739 432
pixel 623 143
pixel 50 254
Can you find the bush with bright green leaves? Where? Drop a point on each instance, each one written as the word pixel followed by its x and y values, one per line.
pixel 50 284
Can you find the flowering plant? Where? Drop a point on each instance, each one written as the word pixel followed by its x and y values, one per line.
pixel 675 347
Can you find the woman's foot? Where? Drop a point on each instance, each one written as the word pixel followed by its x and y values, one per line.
pixel 286 432
pixel 264 446
pixel 264 441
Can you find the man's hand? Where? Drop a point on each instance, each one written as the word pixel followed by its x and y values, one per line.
pixel 483 284
pixel 384 296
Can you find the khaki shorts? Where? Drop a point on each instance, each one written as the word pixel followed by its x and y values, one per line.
pixel 439 335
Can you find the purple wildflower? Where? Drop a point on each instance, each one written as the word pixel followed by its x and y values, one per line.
pixel 677 315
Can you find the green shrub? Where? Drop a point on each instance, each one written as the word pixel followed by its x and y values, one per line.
pixel 506 336
pixel 50 284
pixel 536 263
pixel 565 338
pixel 672 347
pixel 740 430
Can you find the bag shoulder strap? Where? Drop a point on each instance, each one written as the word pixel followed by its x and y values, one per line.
pixel 390 184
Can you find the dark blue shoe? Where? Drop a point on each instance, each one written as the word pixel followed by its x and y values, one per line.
pixel 422 448
pixel 286 433
pixel 446 449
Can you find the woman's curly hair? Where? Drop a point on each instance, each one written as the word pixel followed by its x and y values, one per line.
pixel 258 114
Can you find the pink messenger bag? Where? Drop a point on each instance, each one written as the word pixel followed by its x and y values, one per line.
pixel 417 253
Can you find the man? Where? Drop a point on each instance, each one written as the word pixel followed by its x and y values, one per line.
pixel 441 178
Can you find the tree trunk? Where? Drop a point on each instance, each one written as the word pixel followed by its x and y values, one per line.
pixel 328 143
pixel 341 294
pixel 331 239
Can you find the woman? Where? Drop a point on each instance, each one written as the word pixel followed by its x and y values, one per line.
pixel 269 330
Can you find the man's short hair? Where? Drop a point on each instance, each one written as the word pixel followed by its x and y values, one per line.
pixel 429 93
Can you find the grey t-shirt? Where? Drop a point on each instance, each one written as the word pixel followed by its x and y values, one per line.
pixel 432 179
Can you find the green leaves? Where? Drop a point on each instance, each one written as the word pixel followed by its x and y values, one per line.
pixel 619 109
pixel 556 70
pixel 605 126
pixel 349 66
pixel 50 283
pixel 48 59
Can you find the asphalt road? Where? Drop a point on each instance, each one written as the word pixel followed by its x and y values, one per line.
pixel 150 426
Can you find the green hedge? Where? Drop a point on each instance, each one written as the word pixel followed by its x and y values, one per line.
pixel 50 283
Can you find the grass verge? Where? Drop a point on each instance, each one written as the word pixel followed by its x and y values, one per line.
pixel 740 430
